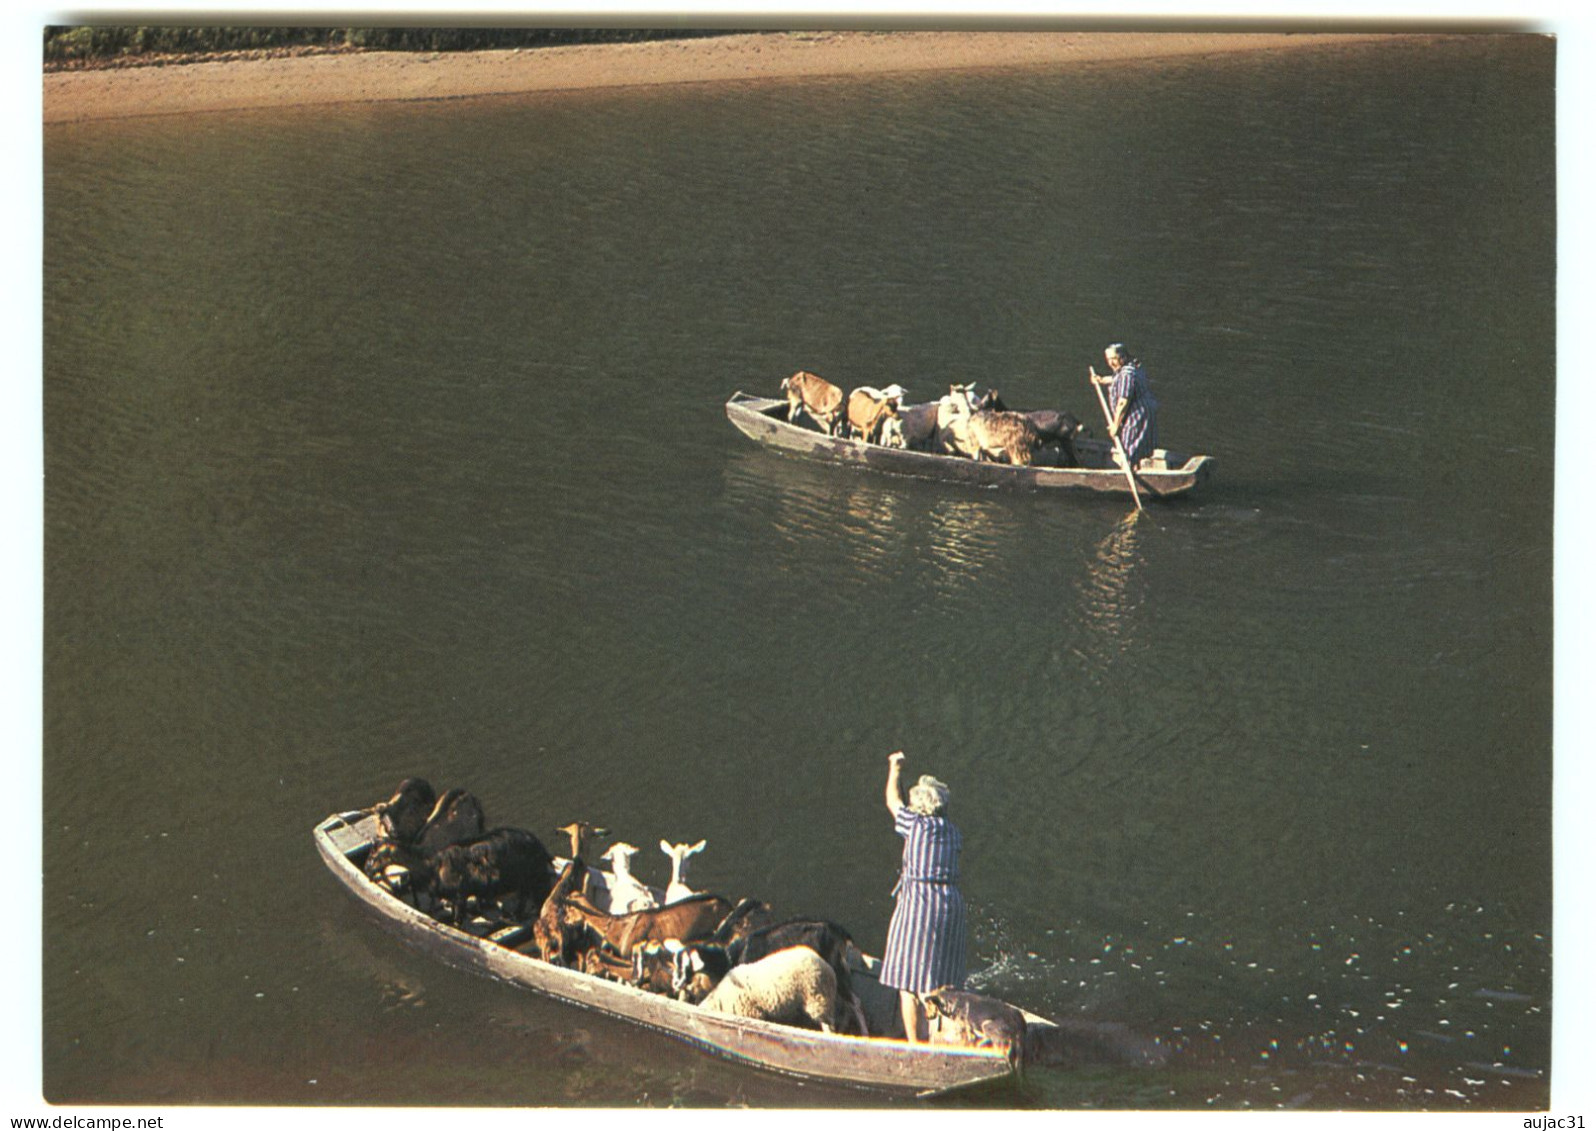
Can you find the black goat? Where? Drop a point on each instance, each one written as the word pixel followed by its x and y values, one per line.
pixel 504 862
pixel 455 819
pixel 403 815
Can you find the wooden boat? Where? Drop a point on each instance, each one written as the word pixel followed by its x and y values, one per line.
pixel 343 840
pixel 1167 474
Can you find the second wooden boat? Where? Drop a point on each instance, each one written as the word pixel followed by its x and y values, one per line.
pixel 1166 475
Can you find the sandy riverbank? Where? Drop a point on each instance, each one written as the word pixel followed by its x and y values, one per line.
pixel 385 76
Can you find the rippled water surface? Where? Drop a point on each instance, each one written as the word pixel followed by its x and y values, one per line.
pixel 390 440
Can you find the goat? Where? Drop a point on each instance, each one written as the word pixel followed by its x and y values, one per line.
pixel 627 893
pixel 816 396
pixel 953 418
pixel 691 919
pixel 395 866
pixel 664 955
pixel 651 966
pixel 915 427
pixel 456 818
pixel 403 815
pixel 678 889
pixel 550 939
pixel 869 411
pixel 789 987
pixel 503 862
pixel 595 885
pixel 748 916
pixel 957 1017
pixel 1058 430
pixel 695 969
pixel 644 970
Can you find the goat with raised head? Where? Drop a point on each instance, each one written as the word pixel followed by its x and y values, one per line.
pixel 594 883
pixel 627 893
pixel 455 819
pixel 553 939
pixel 679 853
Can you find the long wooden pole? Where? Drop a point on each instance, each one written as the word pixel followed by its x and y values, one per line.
pixel 1108 422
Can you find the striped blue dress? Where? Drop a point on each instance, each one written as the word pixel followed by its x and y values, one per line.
pixel 927 937
pixel 1138 432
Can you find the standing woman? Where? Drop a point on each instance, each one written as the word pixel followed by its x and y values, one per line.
pixel 1135 409
pixel 927 937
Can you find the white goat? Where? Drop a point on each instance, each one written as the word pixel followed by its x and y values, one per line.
pixel 627 893
pixel 678 889
pixel 953 419
pixel 789 987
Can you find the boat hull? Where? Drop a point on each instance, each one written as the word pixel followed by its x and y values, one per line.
pixel 876 1063
pixel 763 420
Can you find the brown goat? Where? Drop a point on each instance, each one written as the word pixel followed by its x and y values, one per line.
pixel 551 941
pixel 868 412
pixel 690 919
pixel 815 395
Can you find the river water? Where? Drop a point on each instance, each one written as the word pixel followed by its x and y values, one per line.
pixel 389 440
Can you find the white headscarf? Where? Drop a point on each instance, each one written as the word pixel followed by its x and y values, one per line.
pixel 928 797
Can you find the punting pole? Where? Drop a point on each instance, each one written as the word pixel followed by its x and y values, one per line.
pixel 1108 422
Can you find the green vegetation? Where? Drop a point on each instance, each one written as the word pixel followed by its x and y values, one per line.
pixel 104 45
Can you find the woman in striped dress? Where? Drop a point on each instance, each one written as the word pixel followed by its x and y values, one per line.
pixel 1134 407
pixel 927 937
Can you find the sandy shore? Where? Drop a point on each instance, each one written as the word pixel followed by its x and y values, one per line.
pixel 385 76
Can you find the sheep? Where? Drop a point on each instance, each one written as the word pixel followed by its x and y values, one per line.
pixel 827 939
pixel 790 987
pixel 678 889
pixel 627 893
pixel 697 969
pixel 1009 434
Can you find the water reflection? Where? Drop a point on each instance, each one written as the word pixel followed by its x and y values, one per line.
pixel 1107 598
pixel 872 519
pixel 965 537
